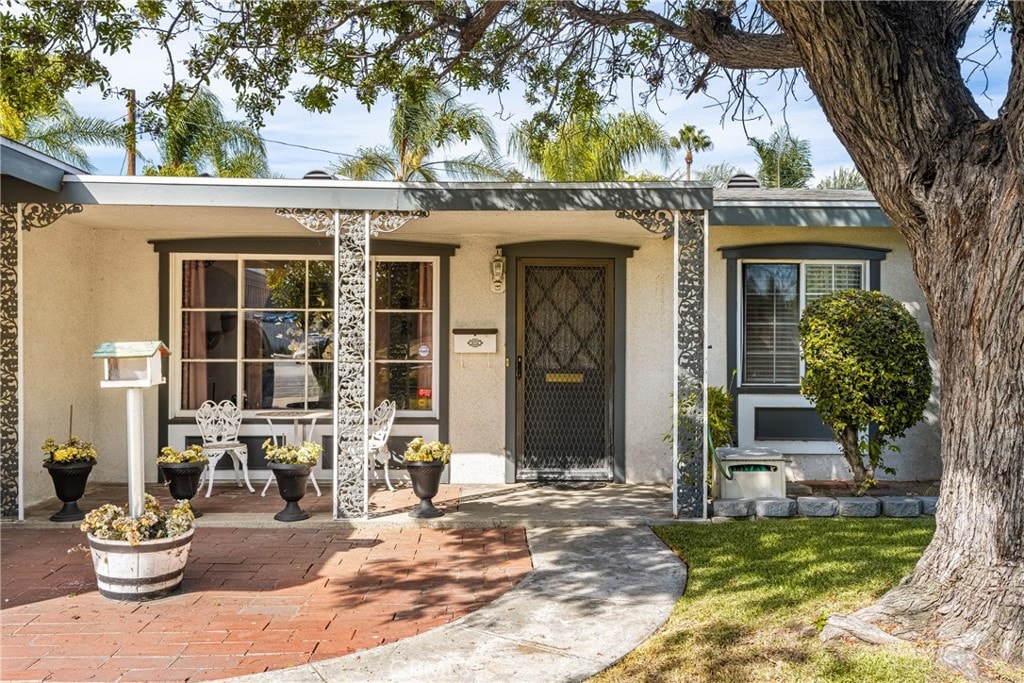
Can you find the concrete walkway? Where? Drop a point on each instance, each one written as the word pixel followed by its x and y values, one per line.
pixel 594 595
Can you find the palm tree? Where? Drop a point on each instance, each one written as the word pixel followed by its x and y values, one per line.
pixel 588 146
pixel 843 178
pixel 718 174
pixel 425 121
pixel 193 137
pixel 62 132
pixel 784 161
pixel 692 139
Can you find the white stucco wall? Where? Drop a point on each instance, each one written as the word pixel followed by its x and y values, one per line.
pixel 82 287
pixel 94 277
pixel 919 456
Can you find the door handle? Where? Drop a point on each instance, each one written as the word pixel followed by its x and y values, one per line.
pixel 519 367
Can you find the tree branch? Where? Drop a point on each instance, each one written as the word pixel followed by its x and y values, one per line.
pixel 709 32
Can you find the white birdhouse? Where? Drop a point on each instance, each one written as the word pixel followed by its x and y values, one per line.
pixel 131 364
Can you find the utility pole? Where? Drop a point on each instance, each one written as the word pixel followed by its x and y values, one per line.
pixel 131 131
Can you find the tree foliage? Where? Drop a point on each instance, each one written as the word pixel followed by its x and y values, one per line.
pixel 193 137
pixel 590 146
pixel 718 174
pixel 691 139
pixel 427 119
pixel 843 178
pixel 63 132
pixel 783 160
pixel 867 374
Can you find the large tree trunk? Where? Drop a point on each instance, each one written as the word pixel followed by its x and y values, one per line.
pixel 951 180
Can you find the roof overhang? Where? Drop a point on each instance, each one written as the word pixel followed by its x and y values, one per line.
pixel 29 167
pixel 382 196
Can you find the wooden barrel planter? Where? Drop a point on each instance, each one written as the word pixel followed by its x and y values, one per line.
pixel 149 570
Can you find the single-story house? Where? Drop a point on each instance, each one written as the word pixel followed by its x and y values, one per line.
pixel 547 331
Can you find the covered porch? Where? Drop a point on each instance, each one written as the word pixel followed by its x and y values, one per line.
pixel 92 259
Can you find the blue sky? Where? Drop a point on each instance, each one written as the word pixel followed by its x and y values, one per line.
pixel 291 130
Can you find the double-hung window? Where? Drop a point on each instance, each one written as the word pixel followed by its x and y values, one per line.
pixel 259 330
pixel 774 295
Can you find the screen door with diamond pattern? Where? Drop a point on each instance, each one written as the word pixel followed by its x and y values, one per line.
pixel 564 379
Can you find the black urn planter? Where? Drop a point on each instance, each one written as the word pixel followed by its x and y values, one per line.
pixel 183 479
pixel 426 478
pixel 69 479
pixel 291 484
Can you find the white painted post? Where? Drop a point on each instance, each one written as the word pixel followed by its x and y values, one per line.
pixel 136 489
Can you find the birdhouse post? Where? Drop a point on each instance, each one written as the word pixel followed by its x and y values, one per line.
pixel 133 366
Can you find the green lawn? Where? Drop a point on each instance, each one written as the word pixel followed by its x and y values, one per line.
pixel 758 592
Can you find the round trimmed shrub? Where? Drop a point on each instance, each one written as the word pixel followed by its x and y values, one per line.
pixel 867 374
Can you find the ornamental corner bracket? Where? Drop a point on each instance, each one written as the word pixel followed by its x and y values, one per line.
pixel 34 215
pixel 326 221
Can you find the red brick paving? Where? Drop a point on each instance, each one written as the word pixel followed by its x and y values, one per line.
pixel 254 600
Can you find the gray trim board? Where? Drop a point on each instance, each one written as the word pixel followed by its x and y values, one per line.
pixel 799 216
pixel 799 251
pixel 382 196
pixel 568 249
pixel 296 245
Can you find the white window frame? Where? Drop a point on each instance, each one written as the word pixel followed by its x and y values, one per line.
pixel 175 308
pixel 802 294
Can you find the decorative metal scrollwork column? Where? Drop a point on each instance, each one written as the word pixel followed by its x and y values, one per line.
pixel 691 366
pixel 14 219
pixel 10 404
pixel 688 229
pixel 352 232
pixel 352 364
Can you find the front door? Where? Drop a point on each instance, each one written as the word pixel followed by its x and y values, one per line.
pixel 564 369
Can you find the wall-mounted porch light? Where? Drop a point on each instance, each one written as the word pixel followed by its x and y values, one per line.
pixel 498 273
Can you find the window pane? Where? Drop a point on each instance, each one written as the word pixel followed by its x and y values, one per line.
pixel 321 284
pixel 771 309
pixel 209 284
pixel 207 382
pixel 825 278
pixel 407 384
pixel 273 334
pixel 275 385
pixel 209 335
pixel 319 343
pixel 275 284
pixel 404 285
pixel 319 382
pixel 403 336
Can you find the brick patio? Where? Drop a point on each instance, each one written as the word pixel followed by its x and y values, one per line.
pixel 254 600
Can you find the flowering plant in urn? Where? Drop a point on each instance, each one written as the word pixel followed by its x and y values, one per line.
pixel 170 455
pixel 73 450
pixel 419 450
pixel 306 454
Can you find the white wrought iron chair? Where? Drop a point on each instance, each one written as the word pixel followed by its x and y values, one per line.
pixel 380 429
pixel 219 424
